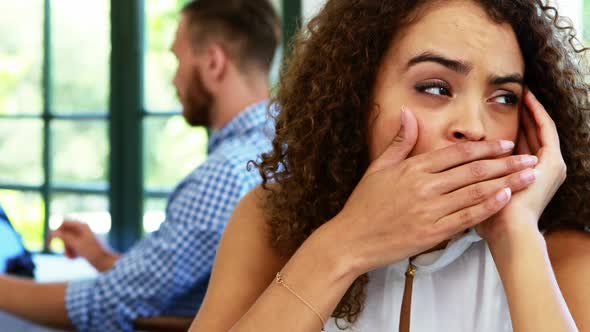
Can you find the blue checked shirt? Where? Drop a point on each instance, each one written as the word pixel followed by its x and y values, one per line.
pixel 167 272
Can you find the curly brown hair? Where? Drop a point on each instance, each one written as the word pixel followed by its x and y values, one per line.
pixel 320 151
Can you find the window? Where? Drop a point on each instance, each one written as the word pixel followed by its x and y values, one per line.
pixel 75 112
pixel 53 104
pixel 311 8
pixel 586 23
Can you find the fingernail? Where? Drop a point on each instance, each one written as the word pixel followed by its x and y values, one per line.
pixel 503 195
pixel 506 145
pixel 529 161
pixel 528 176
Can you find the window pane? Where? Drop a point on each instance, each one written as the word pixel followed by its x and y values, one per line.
pixel 91 209
pixel 21 56
pixel 278 4
pixel 20 148
pixel 80 151
pixel 276 63
pixel 311 8
pixel 154 214
pixel 160 64
pixel 26 212
pixel 573 10
pixel 80 59
pixel 172 149
pixel 586 23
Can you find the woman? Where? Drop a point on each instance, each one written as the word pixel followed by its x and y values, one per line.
pixel 398 200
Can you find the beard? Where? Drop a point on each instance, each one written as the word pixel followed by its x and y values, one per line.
pixel 197 102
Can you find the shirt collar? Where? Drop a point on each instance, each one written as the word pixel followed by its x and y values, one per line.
pixel 251 117
pixel 436 260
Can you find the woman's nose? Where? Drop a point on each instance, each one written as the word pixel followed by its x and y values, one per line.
pixel 467 125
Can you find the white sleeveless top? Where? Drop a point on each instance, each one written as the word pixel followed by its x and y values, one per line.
pixel 456 289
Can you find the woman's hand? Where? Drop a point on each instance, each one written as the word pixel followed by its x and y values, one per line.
pixel 402 207
pixel 538 136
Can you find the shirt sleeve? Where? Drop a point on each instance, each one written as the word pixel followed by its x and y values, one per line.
pixel 165 264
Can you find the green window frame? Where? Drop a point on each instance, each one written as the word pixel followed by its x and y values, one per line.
pixel 125 186
pixel 47 189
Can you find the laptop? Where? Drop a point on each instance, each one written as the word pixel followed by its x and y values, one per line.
pixel 14 257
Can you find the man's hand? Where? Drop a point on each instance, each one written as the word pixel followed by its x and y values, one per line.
pixel 79 240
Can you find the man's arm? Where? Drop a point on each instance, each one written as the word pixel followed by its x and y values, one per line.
pixel 41 303
pixel 165 266
pixel 146 280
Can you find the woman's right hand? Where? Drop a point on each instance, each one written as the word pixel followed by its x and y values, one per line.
pixel 402 207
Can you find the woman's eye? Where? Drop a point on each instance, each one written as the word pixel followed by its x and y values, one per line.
pixel 438 91
pixel 508 99
pixel 435 88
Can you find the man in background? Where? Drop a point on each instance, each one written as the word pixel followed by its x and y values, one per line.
pixel 225 49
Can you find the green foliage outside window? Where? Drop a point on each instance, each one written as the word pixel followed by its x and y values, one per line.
pixel 80 68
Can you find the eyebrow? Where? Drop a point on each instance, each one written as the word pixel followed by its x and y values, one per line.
pixel 499 80
pixel 460 67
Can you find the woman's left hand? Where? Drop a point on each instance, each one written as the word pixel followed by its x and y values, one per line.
pixel 538 136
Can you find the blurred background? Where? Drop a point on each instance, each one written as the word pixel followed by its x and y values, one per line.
pixel 80 131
